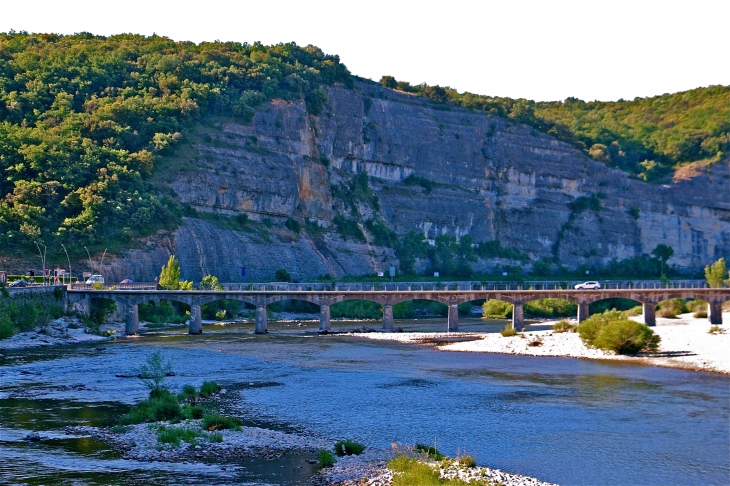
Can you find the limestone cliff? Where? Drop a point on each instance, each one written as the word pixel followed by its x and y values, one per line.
pixel 492 179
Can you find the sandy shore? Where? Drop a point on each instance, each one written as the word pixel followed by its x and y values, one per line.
pixel 685 344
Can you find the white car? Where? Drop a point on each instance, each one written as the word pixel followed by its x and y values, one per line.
pixel 95 279
pixel 588 286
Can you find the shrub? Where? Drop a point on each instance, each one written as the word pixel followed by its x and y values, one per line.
pixel 193 412
pixel 696 305
pixel 700 314
pixel 634 311
pixel 431 452
pixel 218 422
pixel 154 371
pixel 209 388
pixel 466 461
pixel 7 328
pixel 348 448
pixel 497 309
pixel 716 330
pixel 326 459
pixel 188 394
pixel 612 331
pixel 672 308
pixel 409 471
pixel 564 326
pixel 508 331
pixel 535 342
pixel 161 405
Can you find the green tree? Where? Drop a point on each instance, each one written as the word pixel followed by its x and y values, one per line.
pixel 282 275
pixel 210 282
pixel 388 82
pixel 170 276
pixel 663 253
pixel 715 273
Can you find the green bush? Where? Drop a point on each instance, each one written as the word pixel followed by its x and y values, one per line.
pixel 193 412
pixel 188 394
pixel 672 308
pixel 282 275
pixel 564 326
pixel 611 331
pixel 551 308
pixel 162 405
pixel 349 448
pixel 497 309
pixel 508 331
pixel 700 314
pixel 7 328
pixel 209 388
pixel 218 422
pixel 466 461
pixel 326 459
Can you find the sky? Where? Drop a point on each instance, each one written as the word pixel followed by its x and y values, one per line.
pixel 543 50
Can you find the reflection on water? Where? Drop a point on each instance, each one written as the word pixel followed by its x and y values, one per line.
pixel 563 420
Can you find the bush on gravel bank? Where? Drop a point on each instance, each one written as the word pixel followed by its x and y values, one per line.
pixel 613 331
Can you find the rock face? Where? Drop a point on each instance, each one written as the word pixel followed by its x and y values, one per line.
pixel 490 178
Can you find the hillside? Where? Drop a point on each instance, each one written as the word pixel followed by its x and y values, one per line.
pixel 275 156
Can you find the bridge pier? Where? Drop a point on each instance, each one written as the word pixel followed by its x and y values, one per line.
pixel 196 320
pixel 262 322
pixel 649 313
pixel 131 320
pixel 453 318
pixel 583 312
pixel 714 313
pixel 518 316
pixel 324 318
pixel 388 318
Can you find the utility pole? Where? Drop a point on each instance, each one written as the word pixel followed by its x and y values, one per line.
pixel 69 262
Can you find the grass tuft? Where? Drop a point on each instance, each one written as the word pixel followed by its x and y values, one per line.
pixel 508 331
pixel 349 448
pixel 214 421
pixel 326 459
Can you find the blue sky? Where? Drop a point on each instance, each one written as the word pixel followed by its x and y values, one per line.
pixel 541 50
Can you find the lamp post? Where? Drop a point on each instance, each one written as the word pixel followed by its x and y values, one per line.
pixel 43 260
pixel 91 267
pixel 69 262
pixel 102 262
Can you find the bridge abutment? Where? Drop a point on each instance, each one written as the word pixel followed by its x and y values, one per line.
pixel 324 318
pixel 649 313
pixel 388 318
pixel 518 316
pixel 583 312
pixel 262 322
pixel 714 313
pixel 453 318
pixel 131 320
pixel 196 320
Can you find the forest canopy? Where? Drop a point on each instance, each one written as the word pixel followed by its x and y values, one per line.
pixel 84 118
pixel 646 137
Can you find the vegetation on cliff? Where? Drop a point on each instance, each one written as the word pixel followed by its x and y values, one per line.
pixel 646 137
pixel 84 118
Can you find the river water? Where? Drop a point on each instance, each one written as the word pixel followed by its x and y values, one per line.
pixel 561 420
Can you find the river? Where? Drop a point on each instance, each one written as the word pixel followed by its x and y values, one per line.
pixel 561 420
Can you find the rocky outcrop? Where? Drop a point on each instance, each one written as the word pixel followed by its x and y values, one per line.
pixel 489 177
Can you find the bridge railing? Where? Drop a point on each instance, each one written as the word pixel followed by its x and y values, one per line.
pixel 129 286
pixel 455 286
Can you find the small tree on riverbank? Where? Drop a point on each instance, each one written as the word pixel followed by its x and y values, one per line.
pixel 154 371
pixel 715 274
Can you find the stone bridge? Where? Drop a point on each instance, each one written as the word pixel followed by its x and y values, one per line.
pixel 648 298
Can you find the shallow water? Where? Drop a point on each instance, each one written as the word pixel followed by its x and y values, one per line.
pixel 562 420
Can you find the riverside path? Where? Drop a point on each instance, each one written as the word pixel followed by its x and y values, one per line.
pixel 325 295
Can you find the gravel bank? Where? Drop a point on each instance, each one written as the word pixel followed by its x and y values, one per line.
pixel 685 344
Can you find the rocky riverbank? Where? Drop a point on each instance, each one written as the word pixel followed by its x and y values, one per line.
pixel 62 331
pixel 686 343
